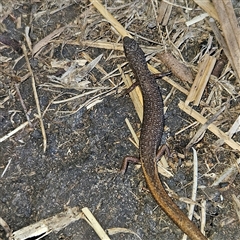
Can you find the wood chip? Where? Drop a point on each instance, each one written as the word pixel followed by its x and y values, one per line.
pixel 164 12
pixel 39 46
pixel 208 7
pixel 45 226
pixel 231 31
pixel 204 72
pixel 177 68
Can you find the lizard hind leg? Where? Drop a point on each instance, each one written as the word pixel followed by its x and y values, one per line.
pixel 125 162
pixel 163 150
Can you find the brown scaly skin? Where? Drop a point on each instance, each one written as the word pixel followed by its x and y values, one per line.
pixel 151 134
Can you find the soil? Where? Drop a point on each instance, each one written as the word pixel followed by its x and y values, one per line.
pixel 85 147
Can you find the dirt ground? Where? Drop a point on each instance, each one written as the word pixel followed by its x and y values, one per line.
pixel 87 137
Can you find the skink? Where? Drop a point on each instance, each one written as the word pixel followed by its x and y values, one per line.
pixel 151 134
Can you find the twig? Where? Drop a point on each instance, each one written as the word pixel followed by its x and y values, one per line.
pixel 135 95
pixel 36 99
pixel 110 18
pixel 5 169
pixel 134 135
pixel 214 129
pixel 194 189
pixel 203 215
pixel 94 224
pixel 199 134
pixel 23 125
pixel 236 204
